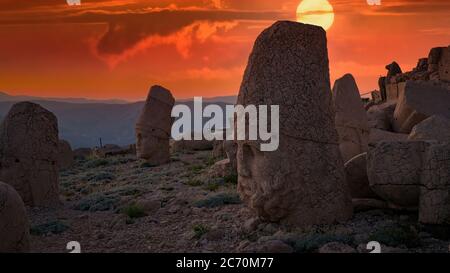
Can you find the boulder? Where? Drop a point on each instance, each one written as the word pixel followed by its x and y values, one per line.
pixel 377 135
pixel 380 116
pixel 351 119
pixel 420 101
pixel 444 64
pixel 394 170
pixel 433 128
pixel 14 226
pixel 393 70
pixel 303 182
pixel 357 180
pixel 29 151
pixel 218 149
pixel 154 126
pixel 434 205
pixel 66 156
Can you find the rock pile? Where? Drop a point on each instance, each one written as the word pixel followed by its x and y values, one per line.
pixel 303 182
pixel 29 152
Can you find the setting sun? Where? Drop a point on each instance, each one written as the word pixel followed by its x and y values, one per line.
pixel 316 12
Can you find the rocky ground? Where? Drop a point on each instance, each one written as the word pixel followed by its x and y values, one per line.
pixel 120 204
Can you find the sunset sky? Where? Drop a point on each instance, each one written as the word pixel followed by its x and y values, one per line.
pixel 119 48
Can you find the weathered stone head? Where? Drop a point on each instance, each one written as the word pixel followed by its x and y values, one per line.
pixel 29 149
pixel 153 127
pixel 351 118
pixel 303 182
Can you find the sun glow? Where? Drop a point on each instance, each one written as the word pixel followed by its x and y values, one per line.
pixel 316 12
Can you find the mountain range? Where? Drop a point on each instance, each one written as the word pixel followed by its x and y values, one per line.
pixel 83 122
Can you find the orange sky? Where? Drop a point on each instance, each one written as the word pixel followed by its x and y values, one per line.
pixel 118 48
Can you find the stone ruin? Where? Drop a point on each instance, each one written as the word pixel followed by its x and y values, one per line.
pixel 153 128
pixel 14 226
pixel 408 162
pixel 29 152
pixel 303 182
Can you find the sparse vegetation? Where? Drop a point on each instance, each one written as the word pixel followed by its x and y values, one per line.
pixel 231 179
pixel 52 227
pixel 199 231
pixel 97 202
pixel 95 163
pixel 196 169
pixel 134 211
pixel 219 200
pixel 194 183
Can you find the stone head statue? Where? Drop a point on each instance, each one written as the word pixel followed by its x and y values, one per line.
pixel 303 182
pixel 153 127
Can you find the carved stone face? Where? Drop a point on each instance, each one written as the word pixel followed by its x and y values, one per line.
pixel 149 143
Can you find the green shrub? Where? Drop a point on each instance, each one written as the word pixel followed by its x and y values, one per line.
pixel 199 231
pixel 231 179
pixel 196 168
pixel 97 202
pixel 101 176
pixel 194 183
pixel 218 201
pixel 134 211
pixel 53 227
pixel 95 163
pixel 212 186
pixel 147 165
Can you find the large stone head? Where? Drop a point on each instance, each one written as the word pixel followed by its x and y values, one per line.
pixel 289 67
pixel 154 124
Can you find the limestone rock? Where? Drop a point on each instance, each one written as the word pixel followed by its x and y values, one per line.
pixel 380 116
pixel 420 101
pixel 433 128
pixel 356 173
pixel 435 186
pixel 393 69
pixel 14 226
pixel 444 64
pixel 303 182
pixel 394 170
pixel 377 135
pixel 29 148
pixel 351 119
pixel 230 148
pixel 66 155
pixel 154 126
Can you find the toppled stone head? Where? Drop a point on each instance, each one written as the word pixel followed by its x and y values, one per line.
pixel 153 127
pixel 303 182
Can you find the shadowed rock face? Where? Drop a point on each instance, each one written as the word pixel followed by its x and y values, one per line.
pixel 29 147
pixel 66 155
pixel 153 127
pixel 14 227
pixel 351 118
pixel 303 182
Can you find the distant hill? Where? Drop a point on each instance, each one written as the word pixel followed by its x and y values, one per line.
pixel 82 124
pixel 7 97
